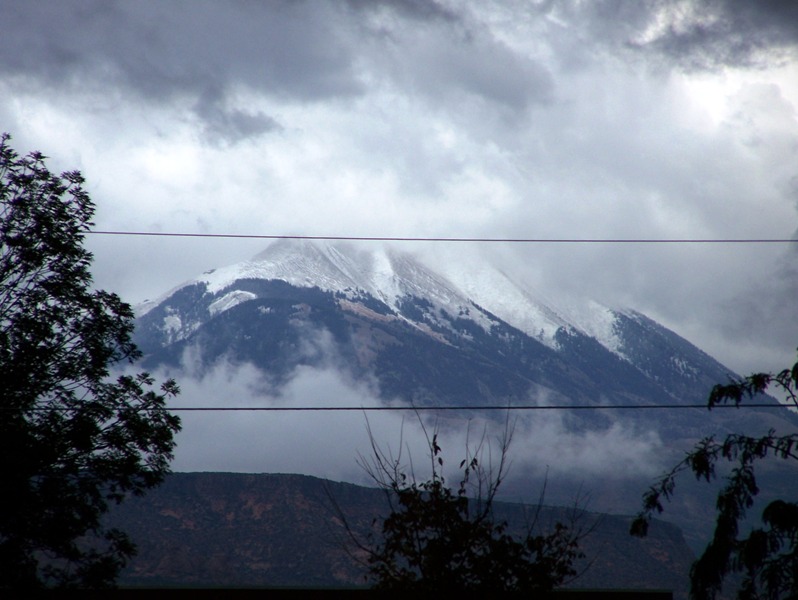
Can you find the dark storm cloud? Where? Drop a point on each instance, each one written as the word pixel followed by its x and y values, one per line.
pixel 732 32
pixel 168 51
pixel 299 51
pixel 486 68
pixel 697 34
pixel 160 49
pixel 415 9
pixel 766 314
pixel 447 59
pixel 230 125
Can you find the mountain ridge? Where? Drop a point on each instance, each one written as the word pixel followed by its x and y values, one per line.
pixel 270 529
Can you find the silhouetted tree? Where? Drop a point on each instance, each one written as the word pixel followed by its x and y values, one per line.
pixel 439 539
pixel 72 440
pixel 767 558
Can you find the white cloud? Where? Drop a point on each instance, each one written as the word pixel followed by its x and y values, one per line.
pixel 331 444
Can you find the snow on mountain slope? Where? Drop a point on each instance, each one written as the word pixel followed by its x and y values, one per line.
pixel 475 290
pixel 383 273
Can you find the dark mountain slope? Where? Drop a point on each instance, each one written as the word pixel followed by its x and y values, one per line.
pixel 229 529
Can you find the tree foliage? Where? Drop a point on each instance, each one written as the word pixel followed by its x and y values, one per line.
pixel 73 441
pixel 439 539
pixel 766 558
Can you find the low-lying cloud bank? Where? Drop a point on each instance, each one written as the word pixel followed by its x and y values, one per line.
pixel 333 444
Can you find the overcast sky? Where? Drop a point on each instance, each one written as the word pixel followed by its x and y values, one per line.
pixel 598 119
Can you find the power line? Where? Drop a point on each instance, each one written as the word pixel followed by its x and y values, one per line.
pixel 458 408
pixel 463 407
pixel 455 239
pixel 429 408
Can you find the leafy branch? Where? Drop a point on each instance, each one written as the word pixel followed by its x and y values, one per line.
pixel 767 558
pixel 440 538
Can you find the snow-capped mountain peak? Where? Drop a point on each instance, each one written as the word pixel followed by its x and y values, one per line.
pixel 463 331
pixel 478 290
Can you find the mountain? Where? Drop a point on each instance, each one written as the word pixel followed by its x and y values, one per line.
pixel 471 337
pixel 464 335
pixel 234 529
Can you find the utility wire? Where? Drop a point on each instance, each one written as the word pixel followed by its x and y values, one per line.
pixel 458 408
pixel 428 408
pixel 456 239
